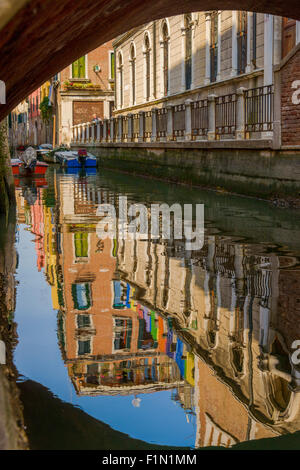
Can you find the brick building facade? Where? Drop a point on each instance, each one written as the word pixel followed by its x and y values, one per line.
pixel 84 90
pixel 290 98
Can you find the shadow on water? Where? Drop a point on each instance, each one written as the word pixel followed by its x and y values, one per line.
pixel 55 425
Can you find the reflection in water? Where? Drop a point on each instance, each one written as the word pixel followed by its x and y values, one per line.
pixel 137 317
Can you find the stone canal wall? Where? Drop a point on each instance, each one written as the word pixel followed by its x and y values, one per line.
pixel 12 434
pixel 255 172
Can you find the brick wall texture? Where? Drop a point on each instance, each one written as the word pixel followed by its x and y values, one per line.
pixel 290 112
pixel 84 111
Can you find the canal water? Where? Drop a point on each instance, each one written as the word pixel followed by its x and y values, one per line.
pixel 141 344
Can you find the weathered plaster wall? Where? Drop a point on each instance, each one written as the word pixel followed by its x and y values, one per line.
pixel 12 434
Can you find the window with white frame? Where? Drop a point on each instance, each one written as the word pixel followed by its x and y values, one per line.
pixel 79 68
pixel 166 58
pixel 111 65
pixel 120 79
pixel 214 44
pixel 241 41
pixel 147 66
pixel 132 59
pixel 188 51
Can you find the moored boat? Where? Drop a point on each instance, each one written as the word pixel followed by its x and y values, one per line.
pixel 19 169
pixel 72 159
pixel 43 149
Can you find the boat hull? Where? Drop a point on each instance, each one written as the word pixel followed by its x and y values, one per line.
pixel 71 159
pixel 18 169
pixel 88 163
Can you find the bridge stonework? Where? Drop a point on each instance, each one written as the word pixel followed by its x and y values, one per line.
pixel 290 99
pixel 42 37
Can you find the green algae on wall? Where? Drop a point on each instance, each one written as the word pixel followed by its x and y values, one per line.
pixel 7 192
pixel 255 173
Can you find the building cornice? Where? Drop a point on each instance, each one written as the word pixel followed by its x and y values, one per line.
pixel 87 93
pixel 123 37
pixel 287 58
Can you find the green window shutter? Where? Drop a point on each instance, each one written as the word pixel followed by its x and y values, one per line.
pixel 78 68
pixel 75 69
pixel 81 244
pixel 112 65
pixel 82 67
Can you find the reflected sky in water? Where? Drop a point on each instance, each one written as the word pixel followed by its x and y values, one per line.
pixel 175 348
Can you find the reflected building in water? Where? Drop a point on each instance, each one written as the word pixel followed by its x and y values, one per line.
pixel 110 343
pixel 227 301
pixel 137 316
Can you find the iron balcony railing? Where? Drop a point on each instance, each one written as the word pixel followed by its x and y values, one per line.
pixel 259 109
pixel 147 124
pixel 199 113
pixel 178 116
pixel 161 122
pixel 136 126
pixel 124 128
pixel 190 120
pixel 226 115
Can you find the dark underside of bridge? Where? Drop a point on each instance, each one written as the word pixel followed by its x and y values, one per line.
pixel 40 37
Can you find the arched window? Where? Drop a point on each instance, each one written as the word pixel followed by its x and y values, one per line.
pixel 242 41
pixel 165 41
pixel 147 66
pixel 120 70
pixel 214 47
pixel 133 81
pixel 188 51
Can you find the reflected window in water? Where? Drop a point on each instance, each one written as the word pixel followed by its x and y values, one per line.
pixel 145 340
pixel 119 295
pixel 84 347
pixel 83 321
pixel 92 372
pixel 81 293
pixel 122 333
pixel 81 244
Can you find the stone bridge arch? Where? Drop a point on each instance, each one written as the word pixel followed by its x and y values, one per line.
pixel 40 37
